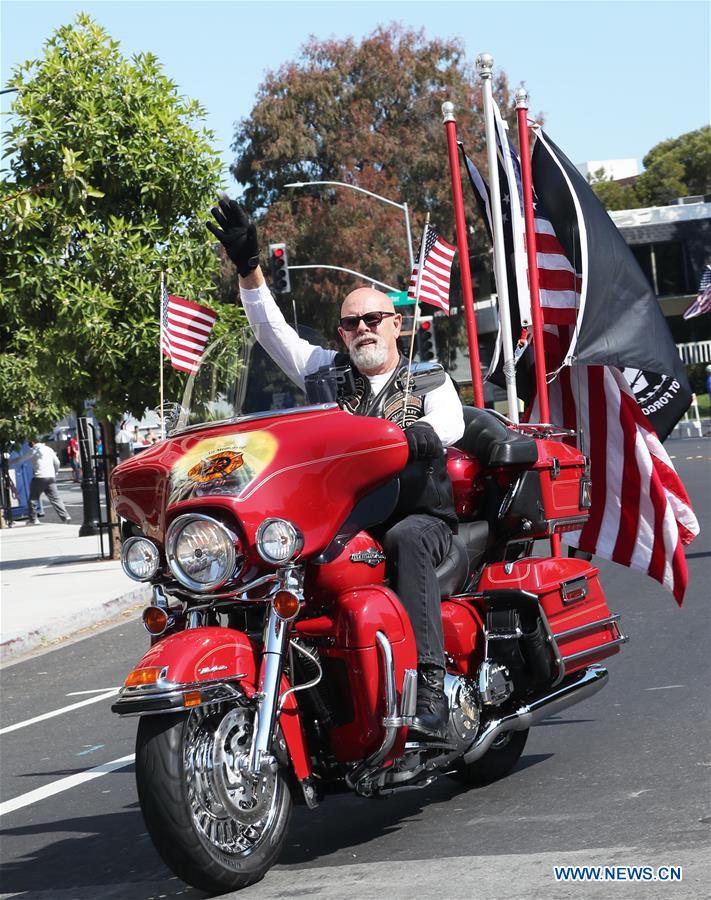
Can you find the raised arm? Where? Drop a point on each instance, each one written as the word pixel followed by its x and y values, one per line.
pixel 294 355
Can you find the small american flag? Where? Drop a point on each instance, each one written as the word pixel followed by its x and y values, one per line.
pixel 702 304
pixel 185 329
pixel 436 272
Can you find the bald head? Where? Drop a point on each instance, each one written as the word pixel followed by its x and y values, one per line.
pixel 364 300
pixel 373 348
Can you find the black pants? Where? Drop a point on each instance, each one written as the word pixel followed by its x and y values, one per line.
pixel 415 546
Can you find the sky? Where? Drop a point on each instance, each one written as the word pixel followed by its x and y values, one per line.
pixel 612 78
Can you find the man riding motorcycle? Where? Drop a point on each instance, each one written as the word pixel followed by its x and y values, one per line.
pixel 418 535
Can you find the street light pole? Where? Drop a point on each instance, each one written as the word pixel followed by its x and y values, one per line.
pixel 403 206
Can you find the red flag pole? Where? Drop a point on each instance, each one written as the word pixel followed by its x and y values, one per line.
pixel 532 253
pixel 534 287
pixel 450 126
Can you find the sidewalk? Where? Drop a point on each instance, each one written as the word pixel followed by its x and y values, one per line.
pixel 54 585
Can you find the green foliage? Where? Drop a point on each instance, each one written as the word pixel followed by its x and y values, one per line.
pixel 368 114
pixel 612 194
pixel 679 167
pixel 107 186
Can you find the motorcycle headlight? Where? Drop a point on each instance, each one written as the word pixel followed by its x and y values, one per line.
pixel 278 541
pixel 140 559
pixel 201 552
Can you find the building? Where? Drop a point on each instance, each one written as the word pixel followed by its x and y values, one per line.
pixel 615 169
pixel 672 244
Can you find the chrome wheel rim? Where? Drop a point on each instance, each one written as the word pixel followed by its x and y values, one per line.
pixel 229 811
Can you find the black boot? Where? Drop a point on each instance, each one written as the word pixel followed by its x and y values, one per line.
pixel 432 712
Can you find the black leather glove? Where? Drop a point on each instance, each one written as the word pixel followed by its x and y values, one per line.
pixel 236 234
pixel 423 441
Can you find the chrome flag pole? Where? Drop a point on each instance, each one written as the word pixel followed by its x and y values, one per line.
pixel 539 353
pixel 450 125
pixel 485 65
pixel 416 315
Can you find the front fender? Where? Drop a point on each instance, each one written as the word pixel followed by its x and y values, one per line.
pixel 200 666
pixel 190 668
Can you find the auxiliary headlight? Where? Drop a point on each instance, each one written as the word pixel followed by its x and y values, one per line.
pixel 201 552
pixel 140 558
pixel 278 541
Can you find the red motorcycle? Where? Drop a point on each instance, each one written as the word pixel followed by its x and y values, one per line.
pixel 282 668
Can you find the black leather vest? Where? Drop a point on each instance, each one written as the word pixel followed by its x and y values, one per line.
pixel 424 484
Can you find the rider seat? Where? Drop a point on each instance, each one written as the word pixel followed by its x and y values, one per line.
pixel 492 442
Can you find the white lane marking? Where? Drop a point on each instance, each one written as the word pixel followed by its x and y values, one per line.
pixel 64 784
pixel 58 712
pixel 94 691
pixel 90 749
pixel 664 687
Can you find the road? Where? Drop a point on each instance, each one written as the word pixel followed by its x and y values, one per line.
pixel 622 779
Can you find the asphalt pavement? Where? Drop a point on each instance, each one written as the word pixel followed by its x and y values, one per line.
pixel 622 779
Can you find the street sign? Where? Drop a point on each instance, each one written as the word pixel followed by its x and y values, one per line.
pixel 399 298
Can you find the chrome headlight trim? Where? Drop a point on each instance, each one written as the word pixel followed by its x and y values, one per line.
pixel 176 528
pixel 152 550
pixel 292 535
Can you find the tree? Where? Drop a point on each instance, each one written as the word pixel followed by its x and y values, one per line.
pixel 108 184
pixel 679 167
pixel 612 194
pixel 367 114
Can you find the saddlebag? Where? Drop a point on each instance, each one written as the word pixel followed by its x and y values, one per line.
pixel 570 595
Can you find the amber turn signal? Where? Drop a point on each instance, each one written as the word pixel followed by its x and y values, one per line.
pixel 155 620
pixel 139 677
pixel 286 604
pixel 192 698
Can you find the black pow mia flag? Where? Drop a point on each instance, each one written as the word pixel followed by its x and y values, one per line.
pixel 620 322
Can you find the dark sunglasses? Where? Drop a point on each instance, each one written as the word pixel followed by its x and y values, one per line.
pixel 371 319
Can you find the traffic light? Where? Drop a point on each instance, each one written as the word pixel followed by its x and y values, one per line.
pixel 279 265
pixel 426 346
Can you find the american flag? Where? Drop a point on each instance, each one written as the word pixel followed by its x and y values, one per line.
pixel 641 515
pixel 185 329
pixel 702 304
pixel 436 272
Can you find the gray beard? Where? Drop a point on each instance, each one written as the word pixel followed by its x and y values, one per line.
pixel 369 356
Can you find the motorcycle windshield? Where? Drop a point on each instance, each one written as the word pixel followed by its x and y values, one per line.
pixel 238 378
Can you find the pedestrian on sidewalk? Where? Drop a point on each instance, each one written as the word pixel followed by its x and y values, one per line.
pixel 45 465
pixel 123 442
pixel 73 457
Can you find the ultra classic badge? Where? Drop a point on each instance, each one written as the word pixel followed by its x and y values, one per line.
pixel 371 557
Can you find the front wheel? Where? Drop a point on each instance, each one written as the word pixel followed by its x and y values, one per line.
pixel 498 760
pixel 215 829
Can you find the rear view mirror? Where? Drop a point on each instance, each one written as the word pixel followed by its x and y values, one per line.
pixel 422 378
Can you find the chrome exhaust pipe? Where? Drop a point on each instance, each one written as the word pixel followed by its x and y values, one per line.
pixel 581 686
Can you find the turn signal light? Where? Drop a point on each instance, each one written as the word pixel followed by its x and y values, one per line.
pixel 286 604
pixel 155 620
pixel 139 677
pixel 192 698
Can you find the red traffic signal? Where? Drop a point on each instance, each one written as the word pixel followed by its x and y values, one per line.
pixel 279 266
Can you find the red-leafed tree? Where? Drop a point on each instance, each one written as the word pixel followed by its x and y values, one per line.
pixel 367 114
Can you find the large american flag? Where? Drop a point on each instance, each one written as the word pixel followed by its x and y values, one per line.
pixel 702 304
pixel 185 330
pixel 641 515
pixel 436 272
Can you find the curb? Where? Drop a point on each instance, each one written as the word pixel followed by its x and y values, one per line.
pixel 62 629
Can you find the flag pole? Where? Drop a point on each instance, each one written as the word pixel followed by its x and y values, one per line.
pixel 450 127
pixel 521 96
pixel 160 354
pixel 416 316
pixel 485 65
pixel 539 352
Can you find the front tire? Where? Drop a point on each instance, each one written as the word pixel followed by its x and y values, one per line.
pixel 498 760
pixel 211 827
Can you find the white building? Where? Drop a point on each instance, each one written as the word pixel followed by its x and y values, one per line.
pixel 615 169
